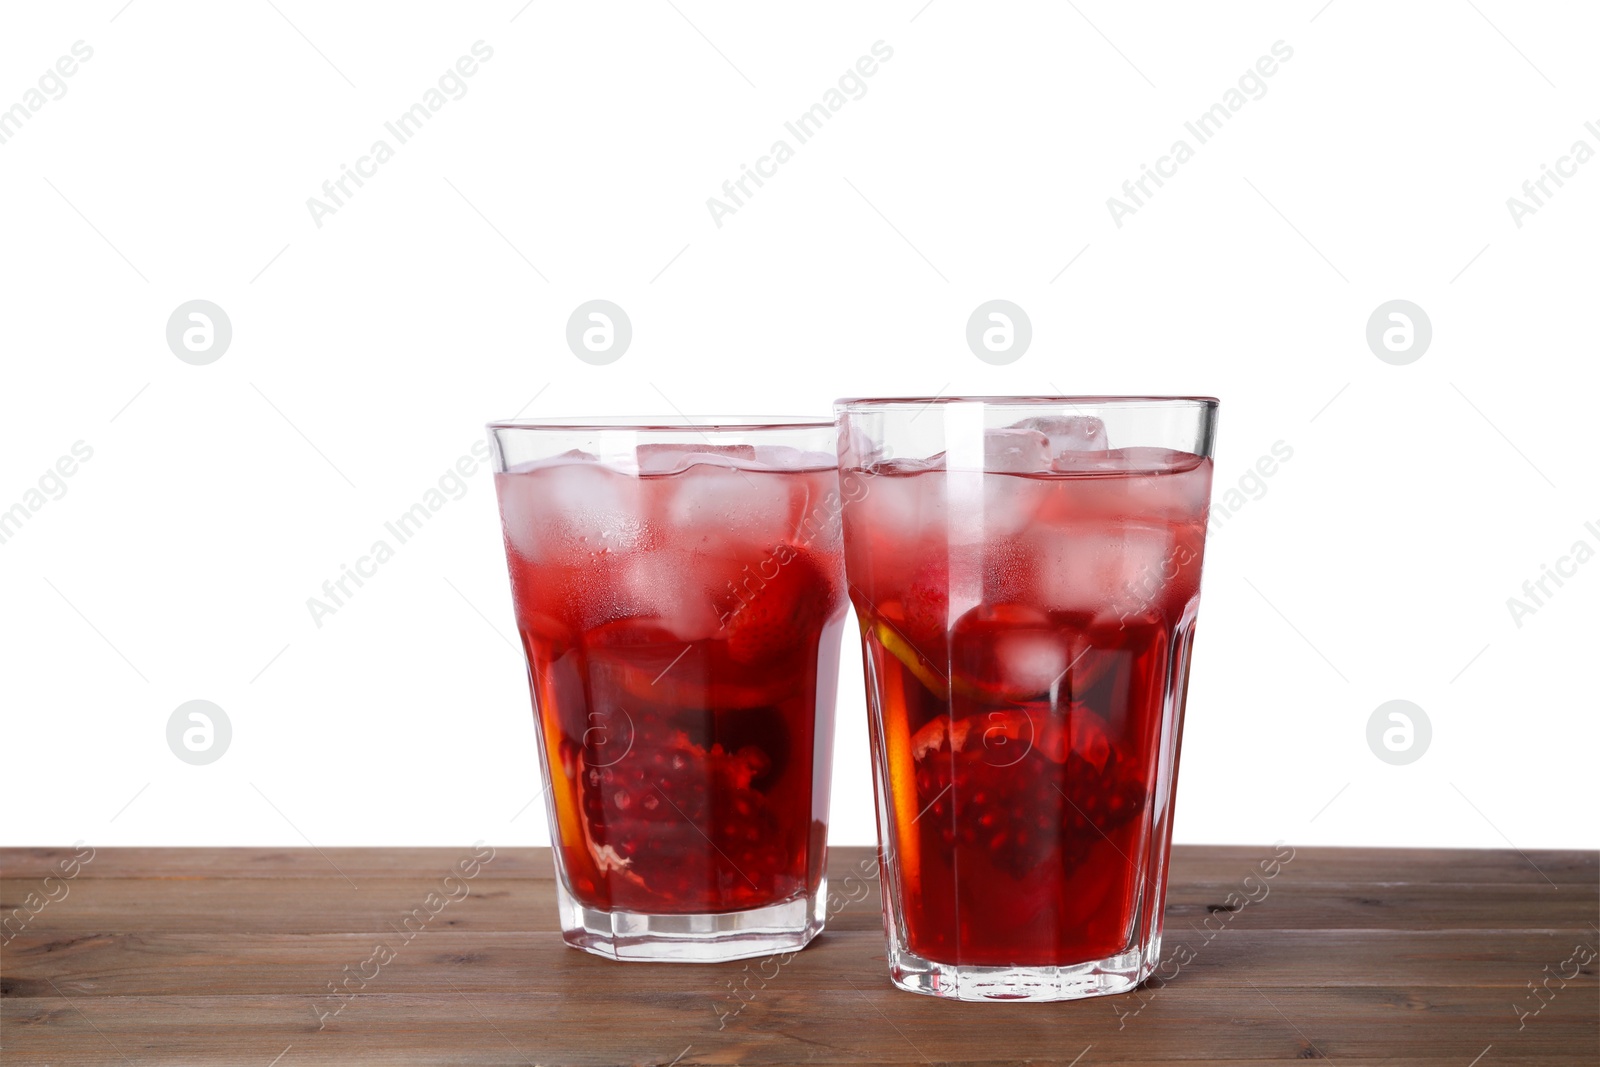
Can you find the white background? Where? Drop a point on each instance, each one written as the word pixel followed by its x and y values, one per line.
pixel 367 354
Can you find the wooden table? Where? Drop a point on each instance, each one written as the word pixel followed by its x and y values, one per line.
pixel 227 956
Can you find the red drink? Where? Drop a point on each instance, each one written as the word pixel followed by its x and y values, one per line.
pixel 681 622
pixel 1027 612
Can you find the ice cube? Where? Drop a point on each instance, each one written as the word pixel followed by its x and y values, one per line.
pixel 674 587
pixel 1190 490
pixel 568 508
pixel 910 464
pixel 1080 433
pixel 1016 450
pixel 1010 505
pixel 901 510
pixel 990 504
pixel 788 458
pixel 1028 662
pixel 571 455
pixel 671 458
pixel 1076 441
pixel 1105 569
pixel 1161 482
pixel 729 511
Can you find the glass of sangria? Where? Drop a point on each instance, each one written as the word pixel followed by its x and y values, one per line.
pixel 679 589
pixel 1026 572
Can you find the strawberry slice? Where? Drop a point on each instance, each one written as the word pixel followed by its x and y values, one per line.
pixel 783 613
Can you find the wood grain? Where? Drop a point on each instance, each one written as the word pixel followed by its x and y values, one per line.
pixel 221 956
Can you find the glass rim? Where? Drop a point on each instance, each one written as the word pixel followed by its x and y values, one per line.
pixel 669 423
pixel 853 403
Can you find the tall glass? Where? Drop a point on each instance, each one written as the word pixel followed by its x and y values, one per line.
pixel 1026 571
pixel 680 594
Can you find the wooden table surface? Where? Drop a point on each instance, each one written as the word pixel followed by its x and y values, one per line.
pixel 228 956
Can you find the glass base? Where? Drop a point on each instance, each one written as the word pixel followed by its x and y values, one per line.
pixel 705 938
pixel 1114 974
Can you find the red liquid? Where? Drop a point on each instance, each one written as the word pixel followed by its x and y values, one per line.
pixel 674 625
pixel 1027 638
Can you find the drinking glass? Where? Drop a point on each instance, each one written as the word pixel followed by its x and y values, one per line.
pixel 679 589
pixel 1026 571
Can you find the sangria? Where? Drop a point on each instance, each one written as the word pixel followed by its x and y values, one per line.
pixel 1026 574
pixel 680 595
